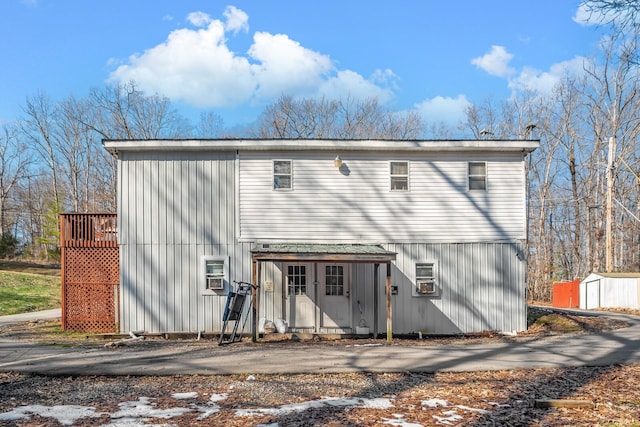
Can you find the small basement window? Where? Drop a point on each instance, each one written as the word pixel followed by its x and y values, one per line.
pixel 426 279
pixel 399 174
pixel 215 273
pixel 477 175
pixel 282 175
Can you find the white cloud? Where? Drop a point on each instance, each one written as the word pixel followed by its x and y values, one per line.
pixel 443 109
pixel 284 65
pixel 586 17
pixel 199 19
pixel 197 66
pixel 237 20
pixel 496 62
pixel 192 66
pixel 583 16
pixel 543 82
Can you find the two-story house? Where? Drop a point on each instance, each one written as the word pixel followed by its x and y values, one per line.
pixel 429 236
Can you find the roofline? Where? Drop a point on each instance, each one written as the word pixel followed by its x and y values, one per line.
pixel 114 146
pixel 617 275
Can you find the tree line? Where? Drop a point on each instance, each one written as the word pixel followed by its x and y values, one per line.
pixel 52 159
pixel 583 181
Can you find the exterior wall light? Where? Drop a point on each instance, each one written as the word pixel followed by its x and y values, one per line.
pixel 337 162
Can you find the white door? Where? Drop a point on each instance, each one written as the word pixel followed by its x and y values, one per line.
pixel 334 295
pixel 593 294
pixel 300 300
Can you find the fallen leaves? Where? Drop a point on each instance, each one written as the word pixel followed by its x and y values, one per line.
pixel 364 399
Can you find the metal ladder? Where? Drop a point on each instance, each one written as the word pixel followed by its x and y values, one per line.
pixel 233 312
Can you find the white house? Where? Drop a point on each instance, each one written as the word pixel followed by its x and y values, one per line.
pixel 610 290
pixel 417 236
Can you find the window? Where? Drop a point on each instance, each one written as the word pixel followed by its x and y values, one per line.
pixel 334 280
pixel 215 273
pixel 399 173
pixel 426 279
pixel 477 176
pixel 282 174
pixel 297 279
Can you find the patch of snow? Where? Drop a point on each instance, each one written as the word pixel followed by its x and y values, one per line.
pixel 467 408
pixel 218 397
pixel 65 414
pixel 378 403
pixel 207 411
pixel 449 418
pixel 184 396
pixel 399 421
pixel 434 403
pixel 142 408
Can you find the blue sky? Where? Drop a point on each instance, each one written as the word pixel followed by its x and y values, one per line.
pixel 235 57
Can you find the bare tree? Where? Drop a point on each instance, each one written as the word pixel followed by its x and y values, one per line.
pixel 125 112
pixel 15 161
pixel 622 14
pixel 211 125
pixel 343 119
pixel 39 128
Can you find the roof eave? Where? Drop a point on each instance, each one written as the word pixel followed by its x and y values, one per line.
pixel 115 146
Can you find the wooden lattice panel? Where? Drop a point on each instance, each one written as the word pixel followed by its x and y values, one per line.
pixel 92 265
pixel 90 273
pixel 91 277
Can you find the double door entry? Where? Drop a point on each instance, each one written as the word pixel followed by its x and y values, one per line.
pixel 317 297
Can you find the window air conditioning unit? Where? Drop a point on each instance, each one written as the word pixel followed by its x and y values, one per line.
pixel 215 283
pixel 426 287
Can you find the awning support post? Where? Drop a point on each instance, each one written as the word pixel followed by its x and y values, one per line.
pixel 376 281
pixel 389 314
pixel 254 306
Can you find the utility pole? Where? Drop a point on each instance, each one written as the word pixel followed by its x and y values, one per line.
pixel 609 231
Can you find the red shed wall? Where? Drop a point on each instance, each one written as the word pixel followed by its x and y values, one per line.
pixel 566 294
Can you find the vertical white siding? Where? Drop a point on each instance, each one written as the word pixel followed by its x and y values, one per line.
pixel 174 208
pixel 356 204
pixel 481 286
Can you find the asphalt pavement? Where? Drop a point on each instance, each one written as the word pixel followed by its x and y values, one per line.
pixel 147 357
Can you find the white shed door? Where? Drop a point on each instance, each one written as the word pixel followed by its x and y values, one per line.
pixel 593 294
pixel 334 295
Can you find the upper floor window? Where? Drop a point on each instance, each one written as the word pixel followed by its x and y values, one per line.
pixel 477 175
pixel 399 175
pixel 282 175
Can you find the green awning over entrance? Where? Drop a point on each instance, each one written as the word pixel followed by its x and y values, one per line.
pixel 360 253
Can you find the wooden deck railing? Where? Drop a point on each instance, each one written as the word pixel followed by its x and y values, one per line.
pixel 88 230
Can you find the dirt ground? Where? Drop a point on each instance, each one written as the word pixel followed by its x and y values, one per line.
pixel 607 396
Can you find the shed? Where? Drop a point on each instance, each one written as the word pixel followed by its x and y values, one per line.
pixel 607 290
pixel 566 294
